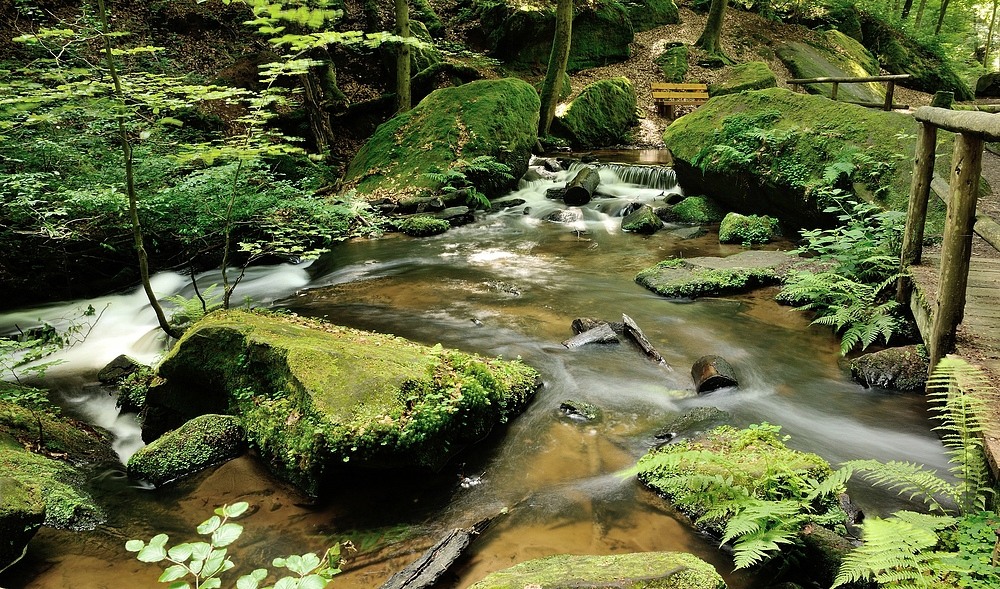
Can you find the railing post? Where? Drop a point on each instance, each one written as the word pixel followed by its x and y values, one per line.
pixel 890 87
pixel 956 250
pixel 916 210
pixel 833 92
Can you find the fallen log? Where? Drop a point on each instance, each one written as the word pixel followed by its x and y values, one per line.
pixel 712 372
pixel 602 334
pixel 435 562
pixel 633 332
pixel 581 188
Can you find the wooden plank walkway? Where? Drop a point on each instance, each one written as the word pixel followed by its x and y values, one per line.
pixel 978 337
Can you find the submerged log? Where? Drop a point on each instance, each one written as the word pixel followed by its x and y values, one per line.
pixel 602 334
pixel 435 562
pixel 633 332
pixel 712 372
pixel 581 188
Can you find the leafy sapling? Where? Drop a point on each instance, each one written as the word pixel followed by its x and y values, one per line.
pixel 201 565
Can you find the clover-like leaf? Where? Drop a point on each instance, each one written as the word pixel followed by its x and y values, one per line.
pixel 210 525
pixel 236 509
pixel 172 573
pixel 226 534
pixel 180 553
pixel 134 545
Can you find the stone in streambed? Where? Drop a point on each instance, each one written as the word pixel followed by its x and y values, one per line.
pixel 642 220
pixel 904 368
pixel 201 442
pixel 712 276
pixel 22 511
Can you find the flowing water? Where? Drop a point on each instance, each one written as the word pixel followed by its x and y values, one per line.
pixel 509 285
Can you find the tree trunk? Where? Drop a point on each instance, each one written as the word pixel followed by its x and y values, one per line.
pixel 558 59
pixel 319 118
pixel 710 37
pixel 140 248
pixel 941 13
pixel 907 5
pixel 581 188
pixel 920 13
pixel 989 37
pixel 403 57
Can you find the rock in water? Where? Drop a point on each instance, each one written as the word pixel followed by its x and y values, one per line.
pixel 203 441
pixel 711 373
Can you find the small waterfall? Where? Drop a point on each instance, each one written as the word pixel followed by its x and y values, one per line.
pixel 656 177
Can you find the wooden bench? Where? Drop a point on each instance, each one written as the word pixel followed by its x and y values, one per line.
pixel 666 96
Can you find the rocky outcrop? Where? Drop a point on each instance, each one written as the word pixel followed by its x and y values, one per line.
pixel 709 276
pixel 201 442
pixel 753 75
pixel 642 220
pixel 642 570
pixel 314 396
pixel 602 115
pixel 447 130
pixel 834 54
pixel 748 229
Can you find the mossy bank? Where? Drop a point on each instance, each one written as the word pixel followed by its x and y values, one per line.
pixel 313 396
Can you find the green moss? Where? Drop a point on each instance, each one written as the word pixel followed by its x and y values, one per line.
pixel 649 14
pixel 565 89
pixel 747 229
pixel 645 570
pixel 697 209
pixel 424 12
pixel 804 135
pixel 753 75
pixel 834 54
pixel 602 115
pixel 80 442
pixel 674 279
pixel 22 511
pixel 199 443
pixel 673 63
pixel 643 220
pixel 422 225
pixel 67 504
pixel 313 395
pixel 497 118
pixel 754 459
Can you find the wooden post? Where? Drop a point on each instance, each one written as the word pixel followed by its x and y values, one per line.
pixel 890 86
pixel 833 92
pixel 956 250
pixel 916 210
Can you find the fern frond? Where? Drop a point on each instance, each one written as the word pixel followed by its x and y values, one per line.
pixel 896 553
pixel 831 485
pixel 906 478
pixel 757 514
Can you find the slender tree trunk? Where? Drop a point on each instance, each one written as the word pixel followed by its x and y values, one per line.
pixel 403 99
pixel 940 21
pixel 133 210
pixel 989 37
pixel 907 5
pixel 556 71
pixel 710 38
pixel 920 13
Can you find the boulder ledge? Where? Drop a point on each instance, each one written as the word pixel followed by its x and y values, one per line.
pixel 312 396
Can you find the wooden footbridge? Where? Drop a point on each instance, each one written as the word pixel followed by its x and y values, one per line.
pixel 954 290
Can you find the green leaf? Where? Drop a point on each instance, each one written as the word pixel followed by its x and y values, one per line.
pixel 179 585
pixel 180 553
pixel 213 583
pixel 171 121
pixel 172 573
pixel 134 545
pixel 200 550
pixel 226 534
pixel 210 525
pixel 236 509
pixel 312 582
pixel 287 583
pixel 247 582
pixel 152 553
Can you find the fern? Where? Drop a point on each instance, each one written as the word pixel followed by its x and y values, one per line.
pixel 896 553
pixel 906 477
pixel 760 527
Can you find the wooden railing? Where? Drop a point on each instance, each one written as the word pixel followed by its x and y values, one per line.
pixel 890 86
pixel 972 129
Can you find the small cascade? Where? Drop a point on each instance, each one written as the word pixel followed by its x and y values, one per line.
pixel 655 177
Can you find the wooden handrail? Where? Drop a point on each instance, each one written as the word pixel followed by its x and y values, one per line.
pixel 851 80
pixel 983 125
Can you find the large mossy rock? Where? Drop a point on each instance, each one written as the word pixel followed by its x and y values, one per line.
pixel 713 276
pixel 642 570
pixel 673 63
pixel 497 118
pixel 521 34
pixel 602 115
pixel 814 132
pixel 649 14
pixel 63 482
pixel 22 511
pixel 753 75
pixel 748 229
pixel 834 54
pixel 201 442
pixel 314 396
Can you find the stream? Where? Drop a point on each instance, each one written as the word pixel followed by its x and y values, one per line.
pixel 507 285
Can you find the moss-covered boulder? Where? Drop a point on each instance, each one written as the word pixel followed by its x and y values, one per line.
pixel 747 229
pixel 695 209
pixel 520 33
pixel 673 63
pixel 834 54
pixel 602 115
pixel 314 396
pixel 22 511
pixel 421 225
pixel 445 131
pixel 643 570
pixel 61 481
pixel 201 442
pixel 711 276
pixel 904 368
pixel 770 152
pixel 649 14
pixel 753 75
pixel 642 220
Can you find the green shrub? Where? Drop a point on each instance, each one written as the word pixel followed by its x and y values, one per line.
pixel 422 226
pixel 747 229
